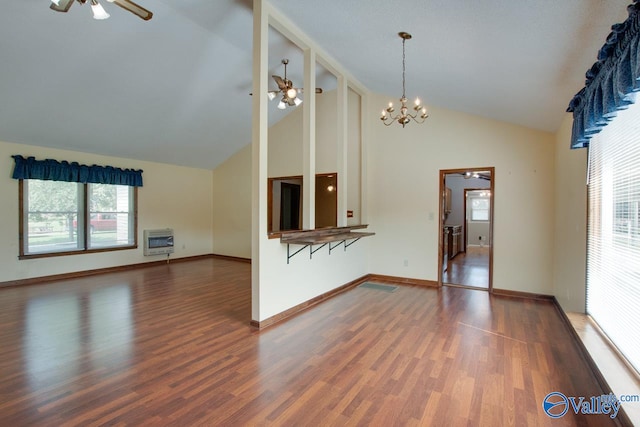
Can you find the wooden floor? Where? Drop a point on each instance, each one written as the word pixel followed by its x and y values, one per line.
pixel 172 345
pixel 470 268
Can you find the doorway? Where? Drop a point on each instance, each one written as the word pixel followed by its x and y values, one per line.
pixel 289 206
pixel 465 255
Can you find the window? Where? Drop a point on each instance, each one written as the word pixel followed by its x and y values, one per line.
pixel 480 206
pixel 613 256
pixel 61 218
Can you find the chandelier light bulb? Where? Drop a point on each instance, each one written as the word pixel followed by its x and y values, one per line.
pixel 297 101
pixel 271 96
pixel 282 105
pixel 56 2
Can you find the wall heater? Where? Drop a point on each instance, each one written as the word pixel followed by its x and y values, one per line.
pixel 158 242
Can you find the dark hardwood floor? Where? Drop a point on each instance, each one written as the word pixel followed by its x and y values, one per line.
pixel 470 268
pixel 172 345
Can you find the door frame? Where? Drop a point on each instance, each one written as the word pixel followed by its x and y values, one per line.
pixel 441 208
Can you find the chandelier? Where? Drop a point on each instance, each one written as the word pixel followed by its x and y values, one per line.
pixel 405 115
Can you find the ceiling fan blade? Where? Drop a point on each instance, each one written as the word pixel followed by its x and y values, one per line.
pixel 280 82
pixel 134 8
pixel 63 5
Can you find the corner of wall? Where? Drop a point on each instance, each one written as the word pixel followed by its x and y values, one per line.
pixel 231 210
pixel 570 222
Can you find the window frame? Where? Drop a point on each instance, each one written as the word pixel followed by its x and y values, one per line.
pixel 472 209
pixel 84 211
pixel 611 251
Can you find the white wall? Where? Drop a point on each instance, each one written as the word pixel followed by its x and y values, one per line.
pixel 283 285
pixel 570 244
pixel 403 173
pixel 172 196
pixel 478 233
pixel 232 205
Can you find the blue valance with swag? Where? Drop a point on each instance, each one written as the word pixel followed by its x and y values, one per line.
pixel 53 170
pixel 611 82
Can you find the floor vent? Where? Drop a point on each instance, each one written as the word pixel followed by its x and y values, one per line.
pixel 378 287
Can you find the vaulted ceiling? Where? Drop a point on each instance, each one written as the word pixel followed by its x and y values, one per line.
pixel 175 89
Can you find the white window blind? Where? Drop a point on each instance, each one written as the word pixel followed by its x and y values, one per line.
pixel 613 254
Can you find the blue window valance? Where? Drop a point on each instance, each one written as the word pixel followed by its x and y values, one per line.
pixel 53 170
pixel 611 82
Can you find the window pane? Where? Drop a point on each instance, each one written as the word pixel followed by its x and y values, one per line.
pixel 480 209
pixel 51 216
pixel 110 215
pixel 613 254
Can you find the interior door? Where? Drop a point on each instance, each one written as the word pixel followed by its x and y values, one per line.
pixel 290 207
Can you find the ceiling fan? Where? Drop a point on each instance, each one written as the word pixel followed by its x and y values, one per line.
pixel 289 93
pixel 99 12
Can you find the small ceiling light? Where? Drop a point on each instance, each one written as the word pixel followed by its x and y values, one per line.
pixel 56 2
pixel 98 10
pixel 271 96
pixel 297 101
pixel 405 116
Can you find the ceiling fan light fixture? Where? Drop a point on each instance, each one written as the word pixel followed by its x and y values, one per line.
pixel 287 89
pixel 98 11
pixel 56 2
pixel 292 93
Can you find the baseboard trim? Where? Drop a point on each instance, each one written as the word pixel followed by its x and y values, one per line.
pixel 232 258
pixel 622 419
pixel 520 294
pixel 307 304
pixel 85 273
pixel 396 280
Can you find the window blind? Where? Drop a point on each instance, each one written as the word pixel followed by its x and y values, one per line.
pixel 613 246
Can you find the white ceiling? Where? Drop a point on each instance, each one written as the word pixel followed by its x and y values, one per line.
pixel 175 89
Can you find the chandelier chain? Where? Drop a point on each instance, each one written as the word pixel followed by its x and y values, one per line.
pixel 403 70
